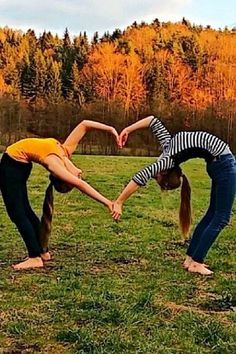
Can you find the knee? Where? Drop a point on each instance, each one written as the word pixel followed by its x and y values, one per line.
pixel 223 220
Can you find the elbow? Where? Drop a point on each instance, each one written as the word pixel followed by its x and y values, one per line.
pixel 85 124
pixel 138 182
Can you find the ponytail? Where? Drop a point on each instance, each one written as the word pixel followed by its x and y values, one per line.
pixel 185 216
pixel 46 219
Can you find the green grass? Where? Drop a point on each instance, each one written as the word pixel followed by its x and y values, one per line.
pixel 117 287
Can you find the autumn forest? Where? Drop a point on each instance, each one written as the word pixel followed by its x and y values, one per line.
pixel 183 73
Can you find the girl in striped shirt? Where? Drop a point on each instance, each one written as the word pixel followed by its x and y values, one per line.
pixel 221 167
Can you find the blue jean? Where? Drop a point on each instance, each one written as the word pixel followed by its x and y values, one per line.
pixel 223 190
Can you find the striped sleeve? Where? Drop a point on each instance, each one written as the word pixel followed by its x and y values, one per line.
pixel 160 132
pixel 152 170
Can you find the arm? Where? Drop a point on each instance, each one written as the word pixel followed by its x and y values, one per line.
pixel 157 128
pixel 140 179
pixel 57 168
pixel 160 132
pixel 131 188
pixel 163 164
pixel 82 128
pixel 141 124
pixel 72 168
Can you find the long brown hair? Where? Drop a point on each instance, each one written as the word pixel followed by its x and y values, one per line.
pixel 46 219
pixel 48 208
pixel 171 179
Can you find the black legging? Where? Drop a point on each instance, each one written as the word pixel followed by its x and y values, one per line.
pixel 13 179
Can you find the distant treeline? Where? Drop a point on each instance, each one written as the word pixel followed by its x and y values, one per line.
pixel 183 73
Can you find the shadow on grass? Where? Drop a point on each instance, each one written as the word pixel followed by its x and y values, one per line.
pixel 22 348
pixel 225 303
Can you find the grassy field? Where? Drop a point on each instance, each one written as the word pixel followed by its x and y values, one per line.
pixel 117 287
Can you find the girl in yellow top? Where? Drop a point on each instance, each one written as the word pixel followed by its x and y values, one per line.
pixel 15 168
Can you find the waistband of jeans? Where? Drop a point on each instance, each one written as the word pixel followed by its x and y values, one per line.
pixel 222 157
pixel 8 159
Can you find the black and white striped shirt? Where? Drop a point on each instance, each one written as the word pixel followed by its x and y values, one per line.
pixel 179 148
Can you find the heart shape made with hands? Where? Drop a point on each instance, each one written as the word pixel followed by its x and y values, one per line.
pixel 121 138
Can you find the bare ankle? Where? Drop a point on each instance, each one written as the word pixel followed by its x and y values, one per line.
pixel 187 262
pixel 45 256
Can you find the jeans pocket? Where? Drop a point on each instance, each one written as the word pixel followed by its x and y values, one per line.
pixel 230 165
pixel 221 168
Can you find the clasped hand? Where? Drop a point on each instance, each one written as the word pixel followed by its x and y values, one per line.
pixel 120 139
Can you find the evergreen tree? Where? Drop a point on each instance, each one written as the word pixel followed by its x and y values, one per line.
pixel 40 74
pixel 81 50
pixel 106 37
pixel 95 38
pixel 66 39
pixel 77 86
pixel 46 41
pixel 28 76
pixel 117 34
pixel 53 80
pixel 68 58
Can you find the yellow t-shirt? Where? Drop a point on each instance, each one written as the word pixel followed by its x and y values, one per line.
pixel 35 149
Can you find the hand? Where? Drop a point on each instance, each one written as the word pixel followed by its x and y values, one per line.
pixel 123 138
pixel 117 210
pixel 79 172
pixel 115 134
pixel 110 206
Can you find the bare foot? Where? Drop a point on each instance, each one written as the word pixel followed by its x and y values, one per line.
pixel 187 262
pixel 45 256
pixel 35 262
pixel 196 267
pixel 205 265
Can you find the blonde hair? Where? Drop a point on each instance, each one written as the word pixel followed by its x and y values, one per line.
pixel 171 179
